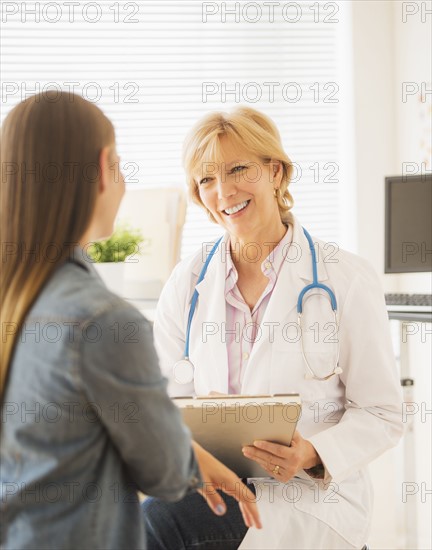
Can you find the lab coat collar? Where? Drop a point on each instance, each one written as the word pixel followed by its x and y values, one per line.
pixel 296 272
pixel 299 257
pixel 211 314
pixel 301 263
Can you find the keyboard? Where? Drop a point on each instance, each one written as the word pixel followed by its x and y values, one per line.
pixel 409 302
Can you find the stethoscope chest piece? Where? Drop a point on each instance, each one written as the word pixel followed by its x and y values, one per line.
pixel 183 372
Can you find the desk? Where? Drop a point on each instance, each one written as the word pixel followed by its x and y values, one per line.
pixel 408 316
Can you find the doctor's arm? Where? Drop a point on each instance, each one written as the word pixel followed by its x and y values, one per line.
pixel 372 421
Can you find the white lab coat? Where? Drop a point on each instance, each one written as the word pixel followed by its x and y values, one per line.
pixel 350 418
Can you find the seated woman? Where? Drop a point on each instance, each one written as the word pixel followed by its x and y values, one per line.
pixel 86 419
pixel 259 328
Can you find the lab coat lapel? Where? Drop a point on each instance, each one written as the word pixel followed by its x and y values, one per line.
pixel 208 327
pixel 295 274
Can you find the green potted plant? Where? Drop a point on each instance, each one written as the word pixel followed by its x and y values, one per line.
pixel 110 255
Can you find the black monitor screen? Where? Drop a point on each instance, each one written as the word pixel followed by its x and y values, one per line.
pixel 408 224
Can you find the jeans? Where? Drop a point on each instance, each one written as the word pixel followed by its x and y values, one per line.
pixel 191 525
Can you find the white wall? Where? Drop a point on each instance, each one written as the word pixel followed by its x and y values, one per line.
pixel 388 51
pixel 389 132
pixel 374 121
pixel 413 66
pixel 413 62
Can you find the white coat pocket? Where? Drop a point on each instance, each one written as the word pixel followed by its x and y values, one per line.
pixel 289 372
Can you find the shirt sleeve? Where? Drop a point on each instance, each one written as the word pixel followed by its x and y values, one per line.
pixel 372 421
pixel 120 372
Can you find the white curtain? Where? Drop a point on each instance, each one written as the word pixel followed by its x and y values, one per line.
pixel 156 67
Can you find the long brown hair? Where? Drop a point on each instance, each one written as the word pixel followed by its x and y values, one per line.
pixel 50 147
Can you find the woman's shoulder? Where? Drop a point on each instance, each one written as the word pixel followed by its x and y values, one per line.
pixel 181 283
pixel 346 260
pixel 336 260
pixel 347 266
pixel 191 265
pixel 77 292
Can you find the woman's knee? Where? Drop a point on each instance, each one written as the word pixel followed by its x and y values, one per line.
pixel 190 523
pixel 160 534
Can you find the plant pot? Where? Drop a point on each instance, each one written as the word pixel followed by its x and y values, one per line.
pixel 112 274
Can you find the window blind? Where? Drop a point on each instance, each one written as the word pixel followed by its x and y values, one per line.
pixel 156 67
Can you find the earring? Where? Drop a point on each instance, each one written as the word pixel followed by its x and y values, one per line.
pixel 276 192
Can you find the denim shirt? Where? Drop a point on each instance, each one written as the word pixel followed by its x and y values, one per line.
pixel 86 421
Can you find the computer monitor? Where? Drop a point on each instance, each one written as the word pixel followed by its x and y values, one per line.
pixel 408 224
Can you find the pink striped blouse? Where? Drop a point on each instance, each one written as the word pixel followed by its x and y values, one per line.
pixel 241 322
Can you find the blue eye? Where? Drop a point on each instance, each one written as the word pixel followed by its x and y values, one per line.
pixel 237 169
pixel 204 181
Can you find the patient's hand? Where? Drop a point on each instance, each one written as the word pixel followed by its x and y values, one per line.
pixel 216 475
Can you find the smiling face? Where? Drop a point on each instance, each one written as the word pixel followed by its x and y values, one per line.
pixel 239 192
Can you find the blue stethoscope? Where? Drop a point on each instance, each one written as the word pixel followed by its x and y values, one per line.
pixel 183 370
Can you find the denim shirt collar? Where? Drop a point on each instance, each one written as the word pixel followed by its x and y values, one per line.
pixel 81 257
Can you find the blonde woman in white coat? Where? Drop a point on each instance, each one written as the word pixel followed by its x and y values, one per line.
pixel 244 339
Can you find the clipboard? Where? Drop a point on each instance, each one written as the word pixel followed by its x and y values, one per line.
pixel 225 424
